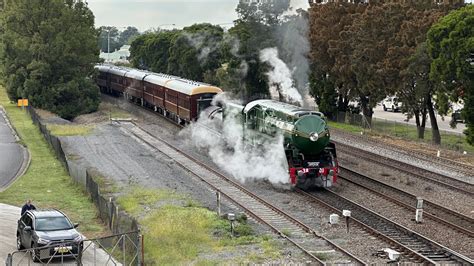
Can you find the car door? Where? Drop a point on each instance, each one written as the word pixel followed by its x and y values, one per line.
pixel 26 236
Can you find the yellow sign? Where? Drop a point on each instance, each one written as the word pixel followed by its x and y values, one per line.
pixel 22 102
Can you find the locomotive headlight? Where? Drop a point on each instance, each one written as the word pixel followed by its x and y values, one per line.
pixel 314 136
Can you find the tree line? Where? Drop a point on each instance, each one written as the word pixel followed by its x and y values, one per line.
pixel 359 52
pixel 418 50
pixel 227 58
pixel 364 52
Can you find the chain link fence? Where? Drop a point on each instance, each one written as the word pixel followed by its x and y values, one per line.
pixel 450 140
pixel 118 221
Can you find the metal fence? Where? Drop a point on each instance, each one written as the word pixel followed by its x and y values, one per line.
pixel 118 221
pixel 119 249
pixel 399 129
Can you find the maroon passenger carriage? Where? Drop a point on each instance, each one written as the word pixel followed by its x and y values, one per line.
pixel 176 98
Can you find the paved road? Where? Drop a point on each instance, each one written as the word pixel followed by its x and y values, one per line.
pixel 9 216
pixel 399 117
pixel 13 156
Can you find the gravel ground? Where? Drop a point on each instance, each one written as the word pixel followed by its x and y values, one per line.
pixel 400 155
pixel 429 228
pixel 435 193
pixel 156 126
pixel 128 162
pixel 358 241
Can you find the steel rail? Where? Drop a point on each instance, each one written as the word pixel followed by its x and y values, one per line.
pixel 449 182
pixel 448 163
pixel 462 224
pixel 429 247
pixel 295 221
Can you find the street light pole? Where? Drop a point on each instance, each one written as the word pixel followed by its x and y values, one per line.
pixel 108 45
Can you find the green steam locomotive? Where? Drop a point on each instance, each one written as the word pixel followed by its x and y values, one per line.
pixel 311 156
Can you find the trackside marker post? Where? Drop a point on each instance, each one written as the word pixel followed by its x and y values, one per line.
pixel 218 195
pixel 231 218
pixel 419 210
pixel 347 214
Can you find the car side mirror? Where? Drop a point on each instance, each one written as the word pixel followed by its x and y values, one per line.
pixel 27 228
pixel 76 225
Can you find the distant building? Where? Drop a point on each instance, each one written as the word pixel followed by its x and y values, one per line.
pixel 119 56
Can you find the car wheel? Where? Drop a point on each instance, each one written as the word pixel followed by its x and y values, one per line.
pixel 19 245
pixel 385 108
pixel 35 253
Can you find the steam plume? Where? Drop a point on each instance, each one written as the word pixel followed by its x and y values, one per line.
pixel 228 150
pixel 280 77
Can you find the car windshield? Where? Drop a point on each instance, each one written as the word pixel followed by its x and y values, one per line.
pixel 52 224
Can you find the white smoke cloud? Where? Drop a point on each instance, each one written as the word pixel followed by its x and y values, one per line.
pixel 223 142
pixel 295 45
pixel 280 77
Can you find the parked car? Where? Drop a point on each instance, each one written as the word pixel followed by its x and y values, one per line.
pixel 50 233
pixel 457 116
pixel 392 103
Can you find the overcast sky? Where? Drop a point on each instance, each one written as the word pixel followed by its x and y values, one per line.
pixel 146 14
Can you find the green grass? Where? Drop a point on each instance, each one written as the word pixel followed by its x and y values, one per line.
pixel 70 130
pixel 46 182
pixel 114 112
pixel 345 127
pixel 178 231
pixel 135 201
pixel 408 132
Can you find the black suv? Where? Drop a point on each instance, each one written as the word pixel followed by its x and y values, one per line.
pixel 49 232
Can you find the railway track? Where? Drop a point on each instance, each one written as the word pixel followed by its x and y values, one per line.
pixel 415 247
pixel 296 232
pixel 452 219
pixel 456 166
pixel 423 174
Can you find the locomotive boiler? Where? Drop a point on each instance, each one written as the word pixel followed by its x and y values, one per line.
pixel 311 156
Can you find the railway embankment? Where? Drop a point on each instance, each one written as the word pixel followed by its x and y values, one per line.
pixel 134 190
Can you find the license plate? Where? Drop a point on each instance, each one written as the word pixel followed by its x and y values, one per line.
pixel 62 249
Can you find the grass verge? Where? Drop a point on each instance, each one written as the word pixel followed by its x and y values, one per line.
pixel 46 182
pixel 179 232
pixel 70 130
pixel 408 132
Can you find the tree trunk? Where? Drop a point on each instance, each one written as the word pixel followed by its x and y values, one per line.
pixel 366 109
pixel 416 113
pixel 423 123
pixel 342 103
pixel 420 118
pixel 434 123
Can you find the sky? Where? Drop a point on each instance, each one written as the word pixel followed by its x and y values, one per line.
pixel 146 14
